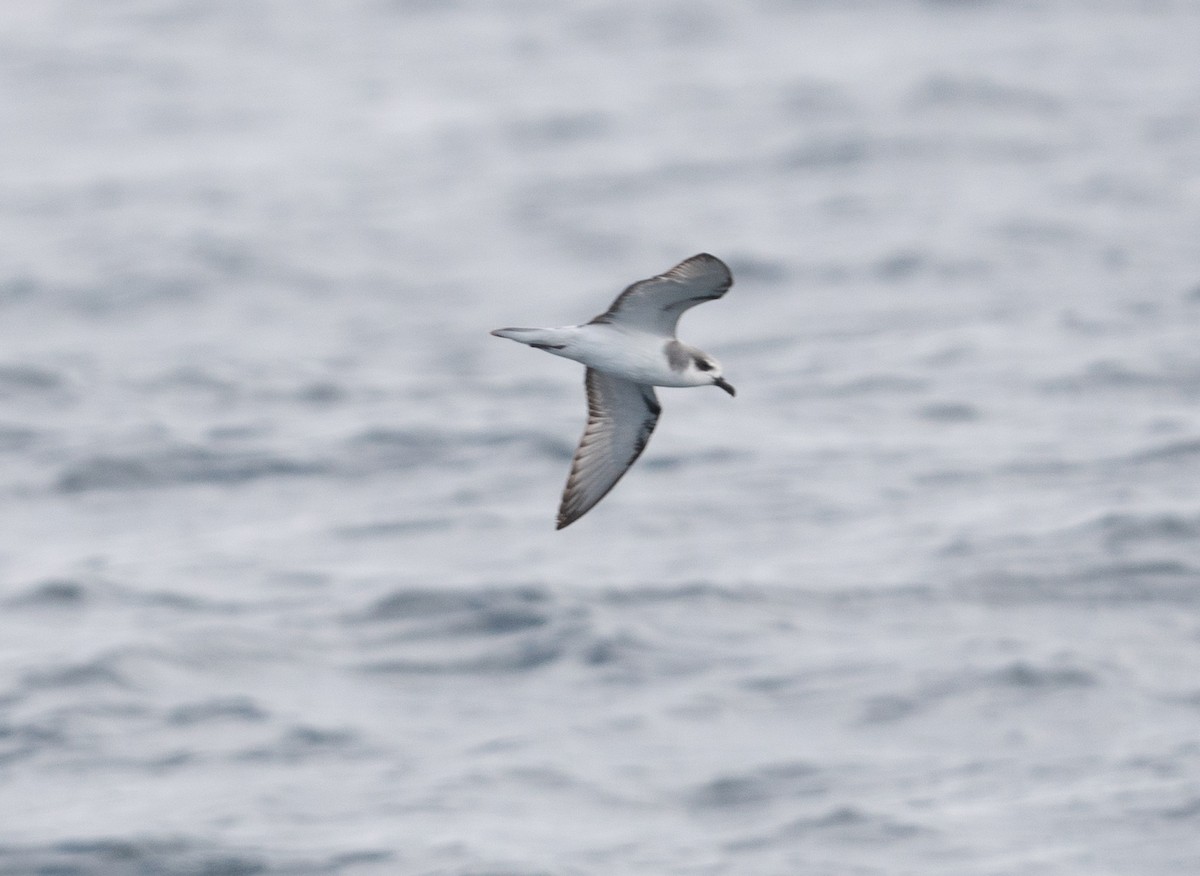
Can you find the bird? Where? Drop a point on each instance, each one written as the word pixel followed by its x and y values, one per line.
pixel 629 349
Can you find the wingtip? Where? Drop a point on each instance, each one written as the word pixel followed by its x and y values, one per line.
pixel 707 262
pixel 568 512
pixel 707 257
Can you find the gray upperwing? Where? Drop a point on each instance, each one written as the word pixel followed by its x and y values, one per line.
pixel 656 304
pixel 621 416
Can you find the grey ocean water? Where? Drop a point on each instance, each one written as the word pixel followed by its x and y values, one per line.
pixel 280 590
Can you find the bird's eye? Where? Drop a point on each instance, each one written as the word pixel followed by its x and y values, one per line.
pixel 704 365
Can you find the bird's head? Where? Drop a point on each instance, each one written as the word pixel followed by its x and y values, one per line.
pixel 709 370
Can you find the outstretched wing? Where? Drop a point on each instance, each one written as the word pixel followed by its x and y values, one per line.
pixel 621 416
pixel 654 305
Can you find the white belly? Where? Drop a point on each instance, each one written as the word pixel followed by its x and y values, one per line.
pixel 636 356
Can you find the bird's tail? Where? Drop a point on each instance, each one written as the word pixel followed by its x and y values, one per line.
pixel 542 338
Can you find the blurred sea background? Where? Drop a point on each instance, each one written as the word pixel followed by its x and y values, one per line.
pixel 280 591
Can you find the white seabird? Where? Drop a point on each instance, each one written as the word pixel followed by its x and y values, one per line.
pixel 628 350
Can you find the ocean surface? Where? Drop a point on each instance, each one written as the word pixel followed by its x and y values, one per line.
pixel 280 590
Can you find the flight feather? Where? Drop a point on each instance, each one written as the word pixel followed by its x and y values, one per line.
pixel 656 304
pixel 621 416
